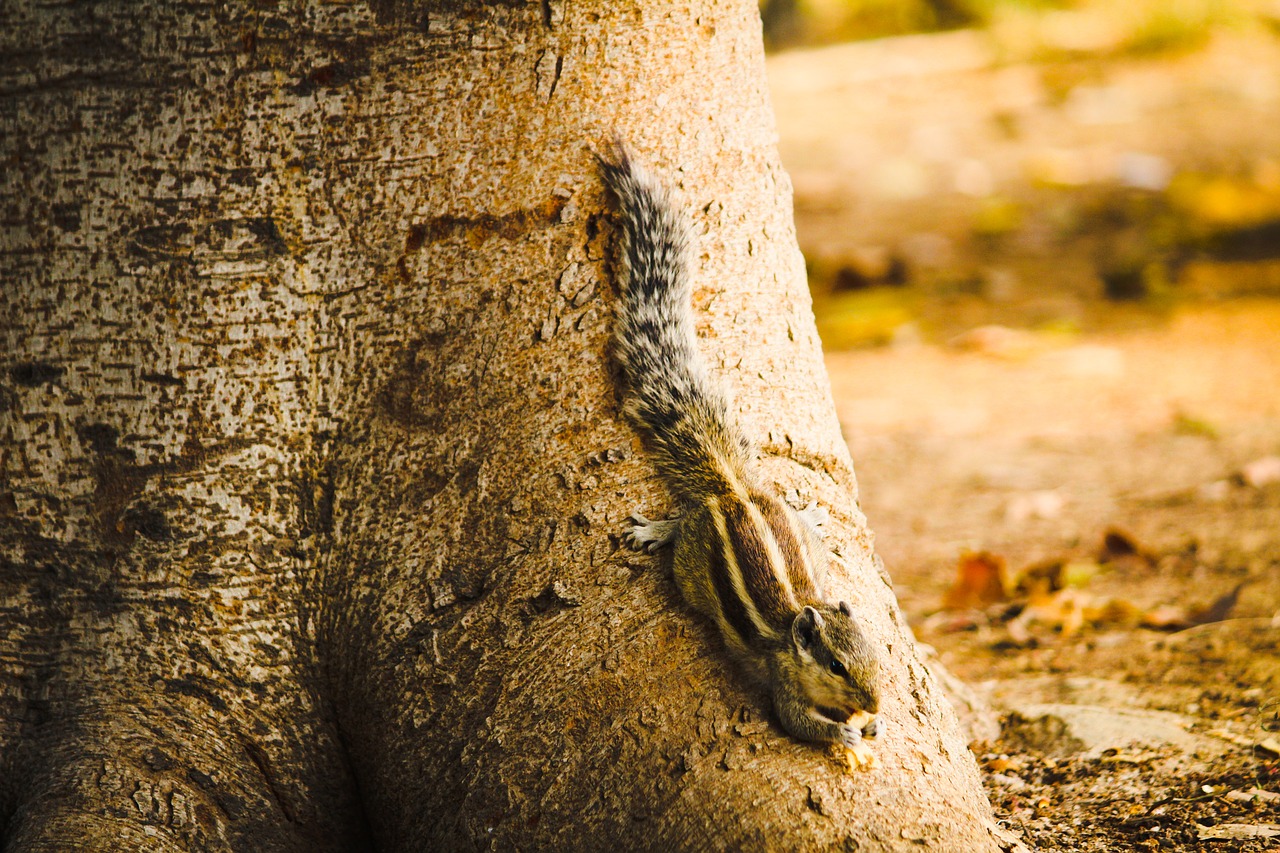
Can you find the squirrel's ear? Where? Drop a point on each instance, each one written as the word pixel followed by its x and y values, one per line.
pixel 804 630
pixel 844 608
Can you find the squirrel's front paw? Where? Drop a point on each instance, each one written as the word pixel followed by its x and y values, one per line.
pixel 857 753
pixel 816 515
pixel 649 536
pixel 850 735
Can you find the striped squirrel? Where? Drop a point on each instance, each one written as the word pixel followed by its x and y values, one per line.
pixel 742 557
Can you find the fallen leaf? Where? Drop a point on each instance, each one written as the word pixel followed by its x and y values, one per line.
pixel 1040 578
pixel 1115 611
pixel 1002 763
pixel 1232 737
pixel 1063 610
pixel 1043 504
pixel 980 581
pixel 1117 543
pixel 1260 472
pixel 1228 831
pixel 1079 572
pixel 953 622
pixel 1120 547
pixel 1166 618
pixel 1253 795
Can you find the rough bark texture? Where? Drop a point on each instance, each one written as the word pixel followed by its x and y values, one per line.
pixel 312 466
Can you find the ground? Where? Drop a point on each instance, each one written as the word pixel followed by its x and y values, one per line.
pixel 1034 460
pixel 1048 289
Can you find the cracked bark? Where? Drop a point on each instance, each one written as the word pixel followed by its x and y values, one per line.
pixel 312 466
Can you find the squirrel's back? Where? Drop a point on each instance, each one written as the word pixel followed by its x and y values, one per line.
pixel 759 568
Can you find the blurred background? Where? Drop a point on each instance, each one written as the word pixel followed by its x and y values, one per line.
pixel 1043 243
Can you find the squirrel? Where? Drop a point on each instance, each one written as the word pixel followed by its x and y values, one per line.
pixel 742 557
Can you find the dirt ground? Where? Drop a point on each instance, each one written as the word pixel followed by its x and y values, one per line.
pixel 1034 460
pixel 1024 408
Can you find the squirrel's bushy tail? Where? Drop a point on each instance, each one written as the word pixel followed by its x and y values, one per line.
pixel 685 416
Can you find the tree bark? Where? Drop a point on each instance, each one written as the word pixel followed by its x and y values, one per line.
pixel 313 470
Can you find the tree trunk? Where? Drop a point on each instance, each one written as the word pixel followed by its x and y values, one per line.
pixel 313 470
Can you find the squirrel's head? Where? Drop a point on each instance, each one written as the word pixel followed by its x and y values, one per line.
pixel 838 668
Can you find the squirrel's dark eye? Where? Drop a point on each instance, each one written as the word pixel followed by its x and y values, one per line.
pixel 838 669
